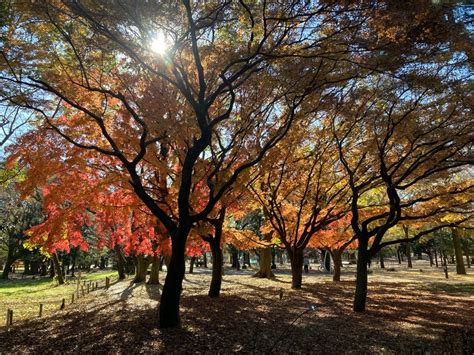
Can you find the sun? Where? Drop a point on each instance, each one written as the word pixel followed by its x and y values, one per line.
pixel 159 44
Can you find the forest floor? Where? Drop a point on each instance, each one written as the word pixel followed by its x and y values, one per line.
pixel 409 311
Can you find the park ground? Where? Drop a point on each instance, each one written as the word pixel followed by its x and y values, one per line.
pixel 409 311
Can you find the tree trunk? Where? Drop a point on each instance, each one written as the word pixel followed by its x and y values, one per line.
pixel 217 259
pixel 142 268
pixel 296 261
pixel 273 258
pixel 430 256
pixel 27 269
pixel 382 263
pixel 57 268
pixel 191 264
pixel 336 257
pixel 445 266
pixel 7 269
pixel 408 253
pixel 34 269
pixel 170 298
pixel 265 263
pixel 436 257
pixel 103 263
pixel 120 261
pixel 204 260
pixel 235 259
pixel 360 296
pixel 280 256
pixel 154 278
pixel 460 269
pixel 52 271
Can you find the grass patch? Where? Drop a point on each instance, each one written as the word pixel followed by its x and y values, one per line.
pixel 25 295
pixel 461 288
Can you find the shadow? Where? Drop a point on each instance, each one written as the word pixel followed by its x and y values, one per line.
pixel 400 318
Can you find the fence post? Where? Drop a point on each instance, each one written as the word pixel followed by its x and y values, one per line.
pixel 82 290
pixel 96 285
pixel 9 317
pixel 40 314
pixel 88 289
pixel 72 298
pixel 107 282
pixel 63 304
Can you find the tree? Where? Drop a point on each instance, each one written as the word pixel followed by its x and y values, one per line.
pixel 406 142
pixel 103 89
pixel 335 238
pixel 301 189
pixel 16 217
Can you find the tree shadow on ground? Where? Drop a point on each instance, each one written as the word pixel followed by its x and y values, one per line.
pixel 400 319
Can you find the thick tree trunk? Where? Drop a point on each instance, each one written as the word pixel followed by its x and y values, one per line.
pixel 57 268
pixel 296 261
pixel 52 271
pixel 7 269
pixel 382 263
pixel 265 263
pixel 103 263
pixel 217 259
pixel 34 269
pixel 235 259
pixel 360 296
pixel 436 257
pixel 204 260
pixel 120 261
pixel 170 298
pixel 142 268
pixel 336 257
pixel 280 256
pixel 430 256
pixel 154 278
pixel 460 269
pixel 274 258
pixel 399 256
pixel 27 270
pixel 191 264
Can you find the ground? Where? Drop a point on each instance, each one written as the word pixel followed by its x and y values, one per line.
pixel 408 311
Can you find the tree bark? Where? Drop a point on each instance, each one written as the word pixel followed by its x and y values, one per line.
pixel 445 259
pixel 408 254
pixel 296 261
pixel 204 260
pixel 191 264
pixel 436 257
pixel 217 259
pixel 170 298
pixel 382 263
pixel 142 268
pixel 360 296
pixel 7 269
pixel 460 269
pixel 235 259
pixel 154 278
pixel 273 258
pixel 57 268
pixel 265 263
pixel 336 257
pixel 120 261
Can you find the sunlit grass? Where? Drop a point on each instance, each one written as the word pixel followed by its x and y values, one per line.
pixel 25 295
